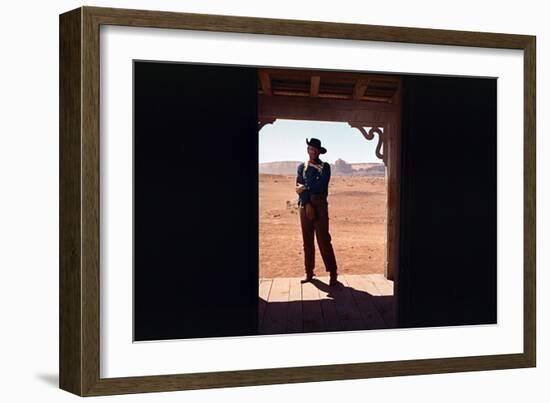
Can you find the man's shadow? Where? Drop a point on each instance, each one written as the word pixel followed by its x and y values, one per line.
pixel 332 291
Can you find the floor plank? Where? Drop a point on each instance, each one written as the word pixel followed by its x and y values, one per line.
pixel 383 299
pixel 275 316
pixel 365 302
pixel 347 309
pixel 311 309
pixel 265 287
pixel 294 315
pixel 384 285
pixel 328 306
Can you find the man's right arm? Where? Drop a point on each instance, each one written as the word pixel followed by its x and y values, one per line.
pixel 299 177
pixel 304 195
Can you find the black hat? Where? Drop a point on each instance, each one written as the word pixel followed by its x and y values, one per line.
pixel 316 143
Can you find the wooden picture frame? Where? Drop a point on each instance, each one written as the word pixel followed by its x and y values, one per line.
pixel 79 357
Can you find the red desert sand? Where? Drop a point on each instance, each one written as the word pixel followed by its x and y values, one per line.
pixel 357 225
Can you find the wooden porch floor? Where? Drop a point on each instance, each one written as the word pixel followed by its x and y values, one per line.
pixel 361 302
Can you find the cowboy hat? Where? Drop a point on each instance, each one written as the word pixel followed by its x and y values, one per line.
pixel 317 144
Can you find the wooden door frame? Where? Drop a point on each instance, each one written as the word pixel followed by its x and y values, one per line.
pixel 373 115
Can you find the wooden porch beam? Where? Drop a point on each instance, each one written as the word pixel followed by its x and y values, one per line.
pixel 292 74
pixel 323 109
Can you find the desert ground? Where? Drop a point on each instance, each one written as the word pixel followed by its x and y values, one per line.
pixel 357 224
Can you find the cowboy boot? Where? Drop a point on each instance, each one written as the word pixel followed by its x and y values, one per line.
pixel 307 279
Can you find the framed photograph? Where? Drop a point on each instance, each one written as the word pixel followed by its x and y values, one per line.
pixel 251 201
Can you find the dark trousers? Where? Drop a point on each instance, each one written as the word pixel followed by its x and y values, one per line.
pixel 317 227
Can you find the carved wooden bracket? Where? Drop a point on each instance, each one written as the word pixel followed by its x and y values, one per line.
pixel 369 135
pixel 265 121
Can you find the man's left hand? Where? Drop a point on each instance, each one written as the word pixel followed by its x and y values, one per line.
pixel 300 188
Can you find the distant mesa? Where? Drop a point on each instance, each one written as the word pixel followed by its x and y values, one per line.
pixel 279 167
pixel 339 168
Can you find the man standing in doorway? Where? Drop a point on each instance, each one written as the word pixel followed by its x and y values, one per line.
pixel 312 182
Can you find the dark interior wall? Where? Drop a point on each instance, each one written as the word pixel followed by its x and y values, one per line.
pixel 195 201
pixel 448 241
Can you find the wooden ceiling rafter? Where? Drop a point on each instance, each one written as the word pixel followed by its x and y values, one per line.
pixel 314 86
pixel 362 87
pixel 265 81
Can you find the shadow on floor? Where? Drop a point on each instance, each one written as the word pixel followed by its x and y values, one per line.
pixel 318 307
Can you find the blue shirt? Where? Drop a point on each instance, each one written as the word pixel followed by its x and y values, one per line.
pixel 315 182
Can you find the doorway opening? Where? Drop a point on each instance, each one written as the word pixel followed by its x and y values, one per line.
pixel 357 118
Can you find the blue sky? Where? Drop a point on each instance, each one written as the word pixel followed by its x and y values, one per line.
pixel 285 140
